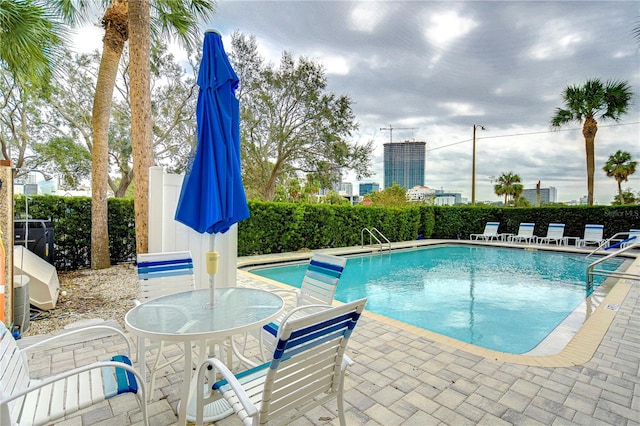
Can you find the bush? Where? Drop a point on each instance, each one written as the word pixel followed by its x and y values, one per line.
pixel 286 227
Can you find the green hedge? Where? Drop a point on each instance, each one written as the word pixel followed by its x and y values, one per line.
pixel 284 227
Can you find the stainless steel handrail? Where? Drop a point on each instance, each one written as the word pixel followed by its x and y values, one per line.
pixel 373 237
pixel 605 244
pixel 591 271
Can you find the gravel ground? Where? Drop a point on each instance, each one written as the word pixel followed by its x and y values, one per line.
pixel 88 294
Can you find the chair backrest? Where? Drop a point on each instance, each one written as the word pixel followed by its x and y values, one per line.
pixel 526 229
pixel 307 361
pixel 491 228
pixel 555 230
pixel 160 274
pixel 321 279
pixel 593 232
pixel 14 373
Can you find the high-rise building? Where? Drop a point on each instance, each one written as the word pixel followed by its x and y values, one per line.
pixel 368 188
pixel 404 164
pixel 547 195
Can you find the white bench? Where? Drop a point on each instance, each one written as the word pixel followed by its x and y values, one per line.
pixel 27 401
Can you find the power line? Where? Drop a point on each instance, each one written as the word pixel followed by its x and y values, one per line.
pixel 527 133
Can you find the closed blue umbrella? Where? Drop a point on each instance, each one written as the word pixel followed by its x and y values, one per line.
pixel 212 198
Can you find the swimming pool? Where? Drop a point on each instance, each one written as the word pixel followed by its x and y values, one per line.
pixel 498 298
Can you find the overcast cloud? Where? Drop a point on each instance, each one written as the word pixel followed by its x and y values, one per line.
pixel 441 67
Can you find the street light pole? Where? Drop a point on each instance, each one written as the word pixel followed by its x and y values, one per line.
pixel 473 169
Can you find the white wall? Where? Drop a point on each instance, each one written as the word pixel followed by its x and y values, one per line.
pixel 166 234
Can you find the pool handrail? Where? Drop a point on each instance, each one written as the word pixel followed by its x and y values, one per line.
pixel 373 237
pixel 618 236
pixel 591 271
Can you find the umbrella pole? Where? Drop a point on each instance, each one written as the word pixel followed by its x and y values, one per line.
pixel 212 268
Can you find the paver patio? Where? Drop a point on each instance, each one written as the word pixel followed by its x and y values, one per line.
pixel 402 376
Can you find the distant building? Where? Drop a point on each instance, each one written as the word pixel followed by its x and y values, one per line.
pixel 447 198
pixel 404 164
pixel 547 195
pixel 345 189
pixel 368 188
pixel 420 193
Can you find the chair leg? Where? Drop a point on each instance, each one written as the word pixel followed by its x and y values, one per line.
pixel 341 416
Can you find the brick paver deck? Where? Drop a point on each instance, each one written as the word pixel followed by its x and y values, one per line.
pixel 402 376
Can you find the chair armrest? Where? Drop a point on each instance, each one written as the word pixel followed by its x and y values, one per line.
pixel 346 362
pixel 216 364
pixel 80 331
pixel 61 376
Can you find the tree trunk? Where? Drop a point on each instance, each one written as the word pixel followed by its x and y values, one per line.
pixel 589 132
pixel 141 144
pixel 113 44
pixel 620 190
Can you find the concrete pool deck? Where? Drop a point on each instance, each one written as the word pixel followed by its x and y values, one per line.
pixel 407 376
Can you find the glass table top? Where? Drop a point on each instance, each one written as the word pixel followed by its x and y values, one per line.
pixel 187 315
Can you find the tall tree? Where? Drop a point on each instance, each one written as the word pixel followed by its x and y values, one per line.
pixel 290 123
pixel 115 24
pixel 140 71
pixel 583 104
pixel 619 166
pixel 508 185
pixel 172 18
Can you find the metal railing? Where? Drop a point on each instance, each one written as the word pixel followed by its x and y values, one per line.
pixel 619 237
pixel 373 236
pixel 592 271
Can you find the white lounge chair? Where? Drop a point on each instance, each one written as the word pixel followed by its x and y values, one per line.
pixel 525 233
pixel 27 401
pixel 490 232
pixel 593 234
pixel 306 370
pixel 555 234
pixel 318 288
pixel 161 274
pixel 624 239
pixel 633 238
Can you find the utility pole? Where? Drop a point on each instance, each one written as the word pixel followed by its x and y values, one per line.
pixel 473 171
pixel 390 129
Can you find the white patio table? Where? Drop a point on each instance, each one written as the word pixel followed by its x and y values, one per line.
pixel 187 318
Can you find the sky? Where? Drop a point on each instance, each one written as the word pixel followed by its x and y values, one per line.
pixel 432 70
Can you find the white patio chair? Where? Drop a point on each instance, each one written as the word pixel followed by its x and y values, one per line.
pixel 555 234
pixel 318 288
pixel 633 238
pixel 160 274
pixel 490 232
pixel 306 370
pixel 593 234
pixel 525 233
pixel 27 401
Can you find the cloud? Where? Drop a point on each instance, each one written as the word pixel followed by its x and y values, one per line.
pixel 445 28
pixel 441 67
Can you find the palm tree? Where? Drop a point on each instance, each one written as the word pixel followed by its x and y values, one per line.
pixel 178 19
pixel 608 100
pixel 619 166
pixel 29 41
pixel 508 185
pixel 140 97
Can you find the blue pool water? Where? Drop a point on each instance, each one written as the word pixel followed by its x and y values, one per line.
pixel 498 298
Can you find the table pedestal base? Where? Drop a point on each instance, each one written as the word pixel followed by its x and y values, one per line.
pixel 216 410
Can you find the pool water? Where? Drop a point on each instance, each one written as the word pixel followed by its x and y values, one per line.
pixel 498 298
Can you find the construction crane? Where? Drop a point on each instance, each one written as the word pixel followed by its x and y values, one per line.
pixel 390 129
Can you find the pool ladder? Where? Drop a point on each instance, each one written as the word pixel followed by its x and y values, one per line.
pixel 374 233
pixel 592 271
